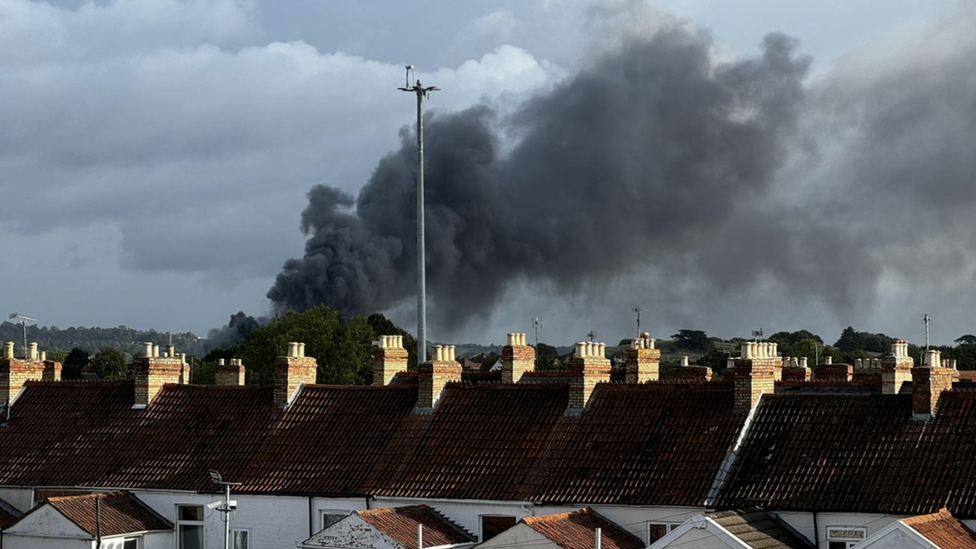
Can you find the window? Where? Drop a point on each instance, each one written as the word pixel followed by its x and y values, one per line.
pixel 189 526
pixel 492 525
pixel 240 539
pixel 844 537
pixel 120 543
pixel 328 517
pixel 657 530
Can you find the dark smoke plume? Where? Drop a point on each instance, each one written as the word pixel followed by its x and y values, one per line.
pixel 651 151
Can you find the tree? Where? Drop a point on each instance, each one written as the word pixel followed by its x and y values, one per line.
pixel 968 339
pixel 57 355
pixel 715 359
pixel 692 340
pixel 791 338
pixel 110 363
pixel 74 361
pixel 545 357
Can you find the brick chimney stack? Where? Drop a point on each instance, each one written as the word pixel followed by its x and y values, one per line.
pixel 517 358
pixel 14 372
pixel 896 368
pixel 151 372
pixel 928 383
pixel 434 375
pixel 754 374
pixel 229 374
pixel 588 367
pixel 388 358
pixel 643 360
pixel 291 372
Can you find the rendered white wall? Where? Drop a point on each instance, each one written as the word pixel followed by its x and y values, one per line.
pixel 520 536
pixel 20 498
pixel 699 538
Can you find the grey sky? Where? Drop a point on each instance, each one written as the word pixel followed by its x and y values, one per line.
pixel 155 155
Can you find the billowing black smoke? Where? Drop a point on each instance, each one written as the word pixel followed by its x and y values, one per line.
pixel 651 151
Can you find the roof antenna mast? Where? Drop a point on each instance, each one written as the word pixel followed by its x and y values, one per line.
pixel 421 93
pixel 23 322
pixel 537 323
pixel 926 319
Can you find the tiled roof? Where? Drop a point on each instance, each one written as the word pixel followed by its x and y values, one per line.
pixel 943 530
pixel 857 453
pixel 759 529
pixel 118 512
pixel 659 443
pixel 8 514
pixel 400 523
pixel 577 530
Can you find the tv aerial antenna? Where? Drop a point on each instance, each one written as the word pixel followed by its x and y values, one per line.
pixel 757 334
pixel 591 335
pixel 926 319
pixel 536 324
pixel 422 93
pixel 23 322
pixel 638 311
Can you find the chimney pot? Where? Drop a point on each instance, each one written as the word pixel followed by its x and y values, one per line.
pixel 8 349
pixel 171 351
pixel 155 351
pixel 32 351
pixel 803 362
pixel 220 361
pixel 587 369
pixel 389 359
pixel 148 347
pixel 828 359
pixel 684 361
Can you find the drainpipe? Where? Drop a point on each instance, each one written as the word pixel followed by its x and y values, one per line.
pixel 816 531
pixel 98 524
pixel 311 512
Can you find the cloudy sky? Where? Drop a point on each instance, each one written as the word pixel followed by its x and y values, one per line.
pixel 156 157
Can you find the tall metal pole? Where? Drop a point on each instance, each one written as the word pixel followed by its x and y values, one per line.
pixel 227 517
pixel 421 251
pixel 421 92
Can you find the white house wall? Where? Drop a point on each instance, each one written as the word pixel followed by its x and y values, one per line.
pixel 355 533
pixel 47 522
pixel 699 538
pixel 896 539
pixel 158 540
pixel 272 521
pixel 799 521
pixel 21 498
pixel 29 542
pixel 346 505
pixel 635 519
pixel 520 536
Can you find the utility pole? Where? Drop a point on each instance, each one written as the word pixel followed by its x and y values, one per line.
pixel 421 92
pixel 638 311
pixel 23 322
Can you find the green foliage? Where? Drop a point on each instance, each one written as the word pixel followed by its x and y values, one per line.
pixel 111 364
pixel 383 326
pixel 792 338
pixel 545 357
pixel 57 355
pixel 692 340
pixel 123 338
pixel 716 360
pixel 968 339
pixel 344 351
pixel 851 340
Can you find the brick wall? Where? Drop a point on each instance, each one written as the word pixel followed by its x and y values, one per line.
pixel 643 365
pixel 927 386
pixel 585 373
pixel 895 373
pixel 387 362
pixel 833 372
pixel 516 360
pixel 290 372
pixel 753 377
pixel 14 372
pixel 151 374
pixel 791 373
pixel 231 375
pixel 431 379
pixel 52 371
pixel 691 373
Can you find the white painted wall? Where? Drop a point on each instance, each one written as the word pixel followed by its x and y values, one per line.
pixel 699 538
pixel 159 540
pixel 47 522
pixel 799 521
pixel 896 539
pixel 519 536
pixel 272 521
pixel 353 533
pixel 344 505
pixel 11 541
pixel 871 521
pixel 20 498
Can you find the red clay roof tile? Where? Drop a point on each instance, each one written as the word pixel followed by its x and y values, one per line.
pixel 118 513
pixel 943 530
pixel 577 530
pixel 400 523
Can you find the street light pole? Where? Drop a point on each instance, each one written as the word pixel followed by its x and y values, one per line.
pixel 421 92
pixel 226 507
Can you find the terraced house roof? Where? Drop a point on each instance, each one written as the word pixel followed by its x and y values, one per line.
pixel 651 443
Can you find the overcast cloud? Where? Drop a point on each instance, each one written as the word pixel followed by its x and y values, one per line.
pixel 155 158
